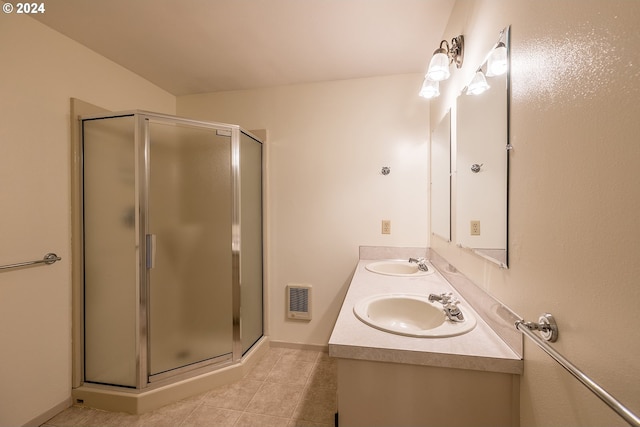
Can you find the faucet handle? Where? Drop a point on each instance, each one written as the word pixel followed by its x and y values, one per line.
pixel 444 299
pixel 422 263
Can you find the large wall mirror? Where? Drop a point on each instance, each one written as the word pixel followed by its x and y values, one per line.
pixel 441 178
pixel 482 157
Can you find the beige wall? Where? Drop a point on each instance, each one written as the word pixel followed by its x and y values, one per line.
pixel 40 71
pixel 327 144
pixel 575 193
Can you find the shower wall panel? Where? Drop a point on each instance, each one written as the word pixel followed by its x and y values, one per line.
pixel 110 251
pixel 251 238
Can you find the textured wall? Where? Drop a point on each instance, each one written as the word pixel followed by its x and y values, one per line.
pixel 574 193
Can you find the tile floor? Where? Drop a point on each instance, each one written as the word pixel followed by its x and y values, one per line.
pixel 287 387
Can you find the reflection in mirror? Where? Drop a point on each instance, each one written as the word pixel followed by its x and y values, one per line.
pixel 482 154
pixel 441 179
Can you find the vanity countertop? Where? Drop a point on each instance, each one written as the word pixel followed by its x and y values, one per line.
pixel 480 349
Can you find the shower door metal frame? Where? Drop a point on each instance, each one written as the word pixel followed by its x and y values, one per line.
pixel 142 119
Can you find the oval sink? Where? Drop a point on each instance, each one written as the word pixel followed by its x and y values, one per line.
pixel 397 268
pixel 410 315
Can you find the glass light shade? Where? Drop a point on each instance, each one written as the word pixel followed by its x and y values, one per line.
pixel 430 89
pixel 478 84
pixel 497 63
pixel 439 67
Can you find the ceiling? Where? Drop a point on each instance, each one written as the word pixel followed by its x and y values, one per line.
pixel 199 46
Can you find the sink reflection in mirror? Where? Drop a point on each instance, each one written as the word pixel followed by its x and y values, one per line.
pixel 398 268
pixel 411 315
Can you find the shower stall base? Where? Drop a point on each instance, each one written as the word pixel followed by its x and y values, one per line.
pixel 136 402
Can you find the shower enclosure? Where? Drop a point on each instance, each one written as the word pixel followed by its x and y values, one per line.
pixel 172 247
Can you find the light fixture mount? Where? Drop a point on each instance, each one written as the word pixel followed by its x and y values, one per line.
pixel 456 52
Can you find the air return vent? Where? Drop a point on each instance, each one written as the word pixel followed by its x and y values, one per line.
pixel 299 302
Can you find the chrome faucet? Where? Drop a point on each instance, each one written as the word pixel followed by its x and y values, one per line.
pixel 449 305
pixel 422 263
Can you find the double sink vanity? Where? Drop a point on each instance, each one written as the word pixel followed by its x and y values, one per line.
pixel 402 361
pixel 420 348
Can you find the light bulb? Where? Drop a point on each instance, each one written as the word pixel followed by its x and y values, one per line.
pixel 497 63
pixel 439 66
pixel 430 89
pixel 478 84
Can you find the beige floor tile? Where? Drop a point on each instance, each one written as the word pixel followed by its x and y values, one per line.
pixel 279 400
pixel 264 366
pixel 303 423
pixel 300 355
pixel 234 396
pixel 257 420
pixel 324 374
pixel 110 419
pixel 73 416
pixel 208 416
pixel 290 372
pixel 317 405
pixel 168 416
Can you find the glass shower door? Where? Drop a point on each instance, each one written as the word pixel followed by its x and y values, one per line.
pixel 189 225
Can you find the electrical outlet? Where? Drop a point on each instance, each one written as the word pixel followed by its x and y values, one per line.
pixel 475 228
pixel 386 226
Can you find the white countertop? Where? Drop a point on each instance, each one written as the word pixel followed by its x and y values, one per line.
pixel 480 349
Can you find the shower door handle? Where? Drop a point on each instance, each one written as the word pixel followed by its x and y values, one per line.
pixel 151 251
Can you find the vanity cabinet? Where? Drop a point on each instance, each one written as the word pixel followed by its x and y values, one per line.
pixel 394 394
pixel 388 379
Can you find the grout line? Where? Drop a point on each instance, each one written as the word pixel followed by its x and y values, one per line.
pixel 196 407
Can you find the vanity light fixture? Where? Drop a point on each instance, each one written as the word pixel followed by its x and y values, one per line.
pixel 478 84
pixel 430 89
pixel 445 56
pixel 497 63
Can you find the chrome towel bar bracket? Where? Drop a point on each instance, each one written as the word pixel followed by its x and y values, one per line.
pixel 546 325
pixel 48 259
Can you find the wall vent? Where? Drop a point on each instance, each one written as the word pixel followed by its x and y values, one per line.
pixel 299 302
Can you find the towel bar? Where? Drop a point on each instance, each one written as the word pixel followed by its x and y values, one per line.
pixel 545 327
pixel 48 259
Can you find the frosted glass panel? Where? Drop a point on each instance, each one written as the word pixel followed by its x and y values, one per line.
pixel 190 206
pixel 110 258
pixel 251 240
